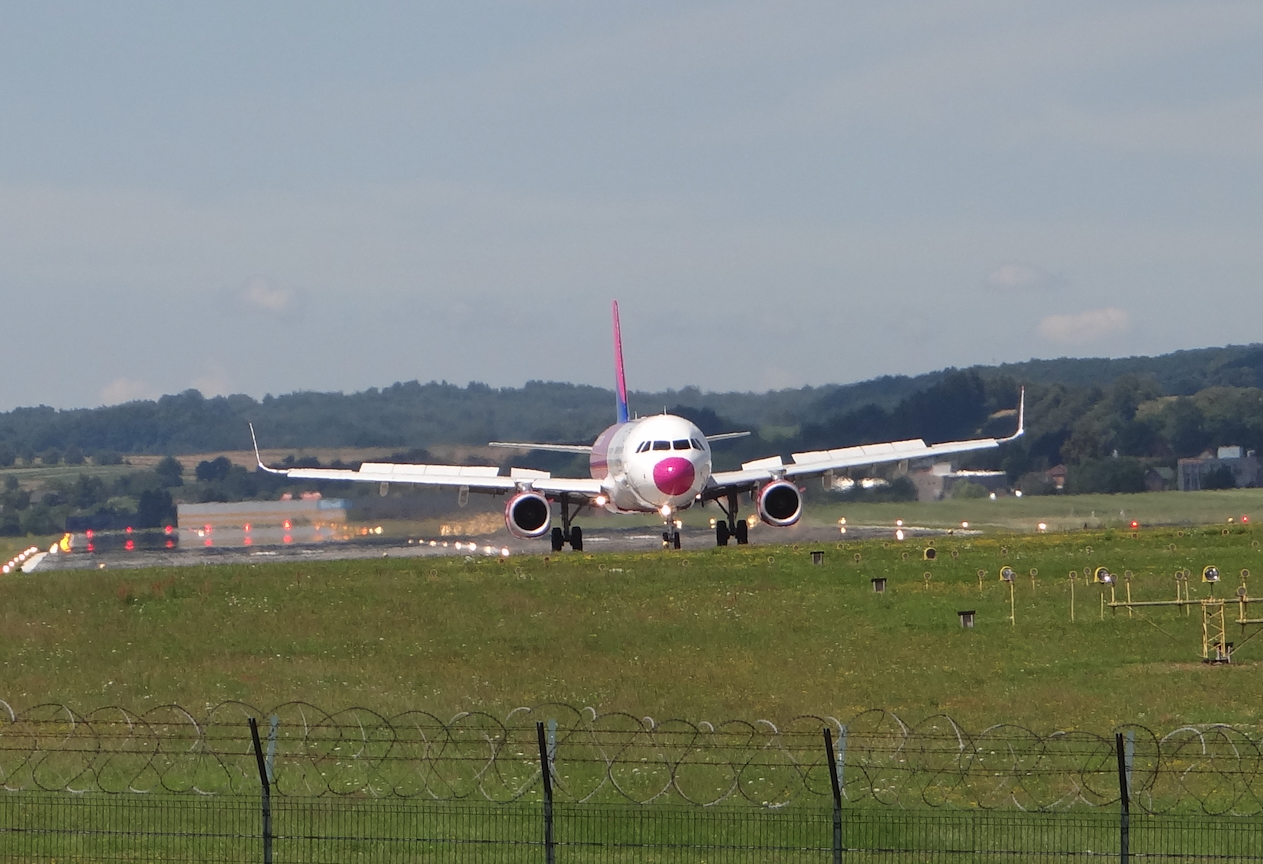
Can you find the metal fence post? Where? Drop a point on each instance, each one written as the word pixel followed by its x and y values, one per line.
pixel 1124 824
pixel 545 769
pixel 267 792
pixel 837 795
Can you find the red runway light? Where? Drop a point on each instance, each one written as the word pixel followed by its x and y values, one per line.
pixel 1134 524
pixel 129 545
pixel 167 529
pixel 88 533
pixel 129 529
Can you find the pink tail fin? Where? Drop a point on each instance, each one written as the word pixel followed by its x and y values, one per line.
pixel 620 383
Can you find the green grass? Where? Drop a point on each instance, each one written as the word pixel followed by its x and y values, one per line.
pixel 1059 512
pixel 739 632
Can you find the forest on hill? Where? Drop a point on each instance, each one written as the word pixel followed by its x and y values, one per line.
pixel 1150 409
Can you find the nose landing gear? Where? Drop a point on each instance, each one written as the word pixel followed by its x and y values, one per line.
pixel 731 527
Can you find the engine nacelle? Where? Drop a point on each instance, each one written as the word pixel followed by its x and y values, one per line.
pixel 780 503
pixel 527 515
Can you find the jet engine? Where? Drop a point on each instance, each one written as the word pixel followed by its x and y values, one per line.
pixel 527 515
pixel 780 503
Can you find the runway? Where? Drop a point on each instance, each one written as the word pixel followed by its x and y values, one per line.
pixel 266 548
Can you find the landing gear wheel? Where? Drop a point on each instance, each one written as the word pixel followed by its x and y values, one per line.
pixel 559 539
pixel 743 533
pixel 675 539
pixel 576 538
pixel 721 533
pixel 666 539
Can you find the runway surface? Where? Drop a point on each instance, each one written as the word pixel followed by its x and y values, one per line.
pixel 263 547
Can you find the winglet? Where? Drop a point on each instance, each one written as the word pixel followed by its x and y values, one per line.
pixel 259 458
pixel 620 383
pixel 1021 418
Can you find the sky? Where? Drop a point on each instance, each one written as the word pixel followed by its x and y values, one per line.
pixel 260 198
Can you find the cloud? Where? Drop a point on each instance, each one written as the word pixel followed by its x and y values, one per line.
pixel 122 390
pixel 1231 128
pixel 1084 328
pixel 215 381
pixel 267 295
pixel 1017 277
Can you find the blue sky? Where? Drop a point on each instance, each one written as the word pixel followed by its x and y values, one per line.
pixel 257 198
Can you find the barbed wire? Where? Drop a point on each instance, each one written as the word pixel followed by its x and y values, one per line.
pixel 617 756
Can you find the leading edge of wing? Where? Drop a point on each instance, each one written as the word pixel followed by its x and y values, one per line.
pixel 819 461
pixel 485 478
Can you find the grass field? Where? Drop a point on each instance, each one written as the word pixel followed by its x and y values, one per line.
pixel 739 632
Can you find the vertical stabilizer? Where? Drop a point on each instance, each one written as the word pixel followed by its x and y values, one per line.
pixel 620 383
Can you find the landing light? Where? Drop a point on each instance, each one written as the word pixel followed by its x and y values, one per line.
pixel 665 511
pixel 600 500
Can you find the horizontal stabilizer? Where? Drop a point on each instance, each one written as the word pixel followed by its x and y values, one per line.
pixel 725 436
pixel 552 448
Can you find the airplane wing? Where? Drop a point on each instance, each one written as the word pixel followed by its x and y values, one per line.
pixel 815 462
pixel 476 478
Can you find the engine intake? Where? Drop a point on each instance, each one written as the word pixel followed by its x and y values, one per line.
pixel 780 503
pixel 527 515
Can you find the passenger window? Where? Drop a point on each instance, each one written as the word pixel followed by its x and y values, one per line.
pixel 682 444
pixel 662 445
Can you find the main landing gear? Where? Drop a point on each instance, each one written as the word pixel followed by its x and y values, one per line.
pixel 731 526
pixel 567 533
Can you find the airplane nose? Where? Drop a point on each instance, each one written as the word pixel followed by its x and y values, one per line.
pixel 673 476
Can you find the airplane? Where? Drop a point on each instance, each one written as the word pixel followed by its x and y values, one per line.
pixel 656 464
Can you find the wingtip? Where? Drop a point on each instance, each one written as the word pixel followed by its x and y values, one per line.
pixel 257 457
pixel 1021 417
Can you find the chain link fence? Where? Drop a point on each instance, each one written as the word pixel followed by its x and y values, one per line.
pixel 554 783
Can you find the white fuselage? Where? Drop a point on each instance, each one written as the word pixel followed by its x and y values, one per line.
pixel 650 463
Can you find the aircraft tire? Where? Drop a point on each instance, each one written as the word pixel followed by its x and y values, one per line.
pixel 576 538
pixel 721 533
pixel 675 539
pixel 558 539
pixel 743 532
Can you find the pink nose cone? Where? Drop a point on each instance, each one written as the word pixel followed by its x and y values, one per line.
pixel 673 476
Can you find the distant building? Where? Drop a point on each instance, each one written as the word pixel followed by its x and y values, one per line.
pixel 1057 477
pixel 260 514
pixel 1192 473
pixel 937 481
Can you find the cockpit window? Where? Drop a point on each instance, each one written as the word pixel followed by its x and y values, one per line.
pixel 662 445
pixel 682 444
pixel 643 446
pixel 696 444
